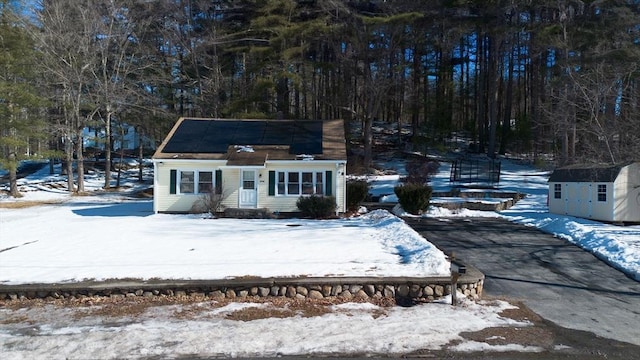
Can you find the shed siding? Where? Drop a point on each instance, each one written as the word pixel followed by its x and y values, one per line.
pixel 603 210
pixel 627 194
pixel 556 206
pixel 580 199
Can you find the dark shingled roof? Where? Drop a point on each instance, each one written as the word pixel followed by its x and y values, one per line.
pixel 196 138
pixel 586 173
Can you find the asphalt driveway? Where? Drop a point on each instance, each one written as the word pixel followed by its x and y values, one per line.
pixel 557 280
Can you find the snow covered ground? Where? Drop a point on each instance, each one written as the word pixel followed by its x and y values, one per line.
pixel 204 330
pixel 112 236
pixel 617 245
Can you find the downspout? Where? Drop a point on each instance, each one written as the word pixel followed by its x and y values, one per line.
pixel 341 178
pixel 155 187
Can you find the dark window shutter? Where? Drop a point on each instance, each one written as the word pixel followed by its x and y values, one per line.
pixel 219 181
pixel 272 183
pixel 329 183
pixel 172 181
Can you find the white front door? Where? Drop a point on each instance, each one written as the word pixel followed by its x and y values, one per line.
pixel 248 189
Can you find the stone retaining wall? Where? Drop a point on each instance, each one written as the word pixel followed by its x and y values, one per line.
pixel 400 289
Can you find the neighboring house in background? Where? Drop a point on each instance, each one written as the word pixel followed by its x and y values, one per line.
pixel 605 193
pixel 254 164
pixel 126 138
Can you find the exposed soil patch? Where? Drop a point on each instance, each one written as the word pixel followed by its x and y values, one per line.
pixel 192 307
pixel 26 204
pixel 536 335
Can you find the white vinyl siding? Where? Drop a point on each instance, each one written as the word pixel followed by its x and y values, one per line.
pixel 167 193
pixel 165 201
pixel 617 201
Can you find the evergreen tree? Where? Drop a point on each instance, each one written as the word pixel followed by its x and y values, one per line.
pixel 23 133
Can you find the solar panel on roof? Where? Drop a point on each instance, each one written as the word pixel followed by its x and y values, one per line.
pixel 186 138
pixel 249 133
pixel 307 138
pixel 277 133
pixel 215 136
pixel 218 135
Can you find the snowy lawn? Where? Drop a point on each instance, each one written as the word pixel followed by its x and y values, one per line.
pixel 82 239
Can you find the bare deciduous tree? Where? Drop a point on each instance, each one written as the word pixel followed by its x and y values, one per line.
pixel 66 39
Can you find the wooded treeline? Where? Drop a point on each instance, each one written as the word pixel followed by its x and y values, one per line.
pixel 538 77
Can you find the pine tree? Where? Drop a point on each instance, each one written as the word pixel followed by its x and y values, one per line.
pixel 21 128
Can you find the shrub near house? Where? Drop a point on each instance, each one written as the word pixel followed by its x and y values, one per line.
pixel 357 192
pixel 317 207
pixel 414 198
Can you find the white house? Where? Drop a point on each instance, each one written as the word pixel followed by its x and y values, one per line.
pixel 605 193
pixel 255 164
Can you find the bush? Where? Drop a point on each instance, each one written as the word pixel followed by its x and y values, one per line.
pixel 414 198
pixel 419 171
pixel 357 192
pixel 210 202
pixel 317 207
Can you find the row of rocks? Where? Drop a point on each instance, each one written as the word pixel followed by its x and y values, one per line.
pixel 427 292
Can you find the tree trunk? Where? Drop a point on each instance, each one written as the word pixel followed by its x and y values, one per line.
pixel 481 91
pixel 368 140
pixel 282 98
pixel 140 156
pixel 68 147
pixel 120 166
pixel 107 150
pixel 415 98
pixel 13 176
pixel 80 160
pixel 506 118
pixel 492 92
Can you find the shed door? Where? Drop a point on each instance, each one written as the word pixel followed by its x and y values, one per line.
pixel 579 200
pixel 248 189
pixel 584 210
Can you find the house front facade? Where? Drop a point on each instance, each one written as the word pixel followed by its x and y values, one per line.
pixel 604 193
pixel 254 164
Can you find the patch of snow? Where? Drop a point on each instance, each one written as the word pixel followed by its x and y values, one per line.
pixel 244 148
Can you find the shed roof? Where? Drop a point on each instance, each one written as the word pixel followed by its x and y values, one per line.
pixel 586 173
pixel 218 139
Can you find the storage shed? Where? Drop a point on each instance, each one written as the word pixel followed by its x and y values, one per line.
pixel 606 193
